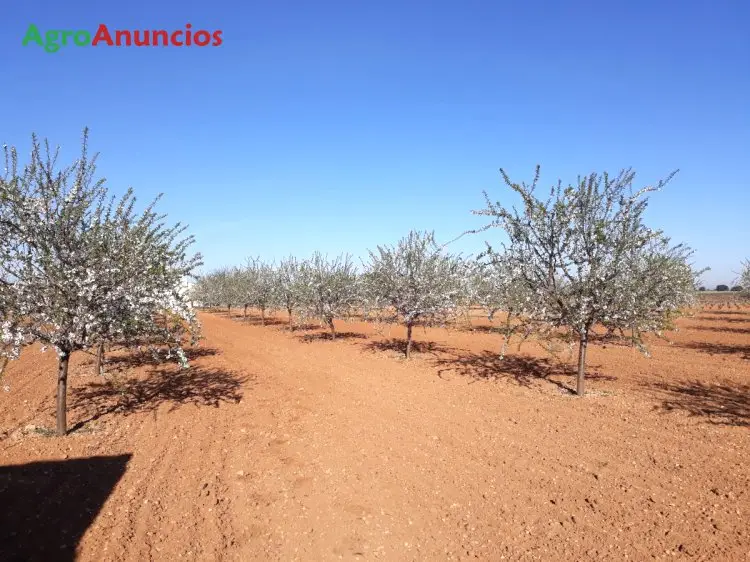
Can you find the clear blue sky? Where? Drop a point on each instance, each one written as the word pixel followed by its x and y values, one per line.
pixel 341 125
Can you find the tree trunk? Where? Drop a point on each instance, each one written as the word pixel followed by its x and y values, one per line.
pixel 229 310
pixel 3 364
pixel 408 340
pixel 244 313
pixel 62 391
pixel 262 316
pixel 506 334
pixel 504 348
pixel 100 359
pixel 582 345
pixel 333 329
pixel 291 319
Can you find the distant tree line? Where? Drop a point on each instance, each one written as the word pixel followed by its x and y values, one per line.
pixel 722 288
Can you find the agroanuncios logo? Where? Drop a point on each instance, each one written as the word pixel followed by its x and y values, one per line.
pixel 53 39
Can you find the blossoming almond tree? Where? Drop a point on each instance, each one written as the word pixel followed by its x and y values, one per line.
pixel 260 285
pixel 81 270
pixel 331 288
pixel 658 282
pixel 11 337
pixel 495 285
pixel 145 263
pixel 290 288
pixel 418 280
pixel 229 288
pixel 579 253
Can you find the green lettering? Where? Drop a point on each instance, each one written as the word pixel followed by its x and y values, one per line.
pixel 82 38
pixel 50 44
pixel 32 34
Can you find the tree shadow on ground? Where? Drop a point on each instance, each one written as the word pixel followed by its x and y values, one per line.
pixel 327 336
pixel 167 385
pixel 729 312
pixel 606 339
pixel 718 348
pixel 398 345
pixel 306 327
pixel 47 506
pixel 721 404
pixel 725 329
pixel 522 369
pixel 254 320
pixel 220 311
pixel 119 363
pixel 731 319
pixel 481 328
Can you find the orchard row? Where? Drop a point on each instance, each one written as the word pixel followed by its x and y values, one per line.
pixel 81 269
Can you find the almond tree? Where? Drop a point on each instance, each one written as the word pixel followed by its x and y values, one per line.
pixel 219 287
pixel 236 288
pixel 205 292
pixel 80 270
pixel 290 287
pixel 374 306
pixel 575 252
pixel 228 288
pixel 260 283
pixel 11 336
pixel 145 263
pixel 331 288
pixel 421 282
pixel 658 282
pixel 495 286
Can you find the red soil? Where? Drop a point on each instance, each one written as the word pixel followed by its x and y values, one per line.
pixel 286 446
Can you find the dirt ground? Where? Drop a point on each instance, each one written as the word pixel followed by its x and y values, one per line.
pixel 289 446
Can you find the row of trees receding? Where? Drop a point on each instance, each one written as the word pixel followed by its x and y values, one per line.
pixel 580 258
pixel 80 268
pixel 413 282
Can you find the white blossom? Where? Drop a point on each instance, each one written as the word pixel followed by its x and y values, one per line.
pixel 584 257
pixel 330 288
pixel 417 280
pixel 79 268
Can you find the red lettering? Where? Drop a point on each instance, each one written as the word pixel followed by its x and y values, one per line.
pixel 145 41
pixel 119 35
pixel 188 35
pixel 102 34
pixel 175 37
pixel 202 38
pixel 217 38
pixel 164 38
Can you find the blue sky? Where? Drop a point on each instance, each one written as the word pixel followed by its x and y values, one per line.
pixel 341 125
